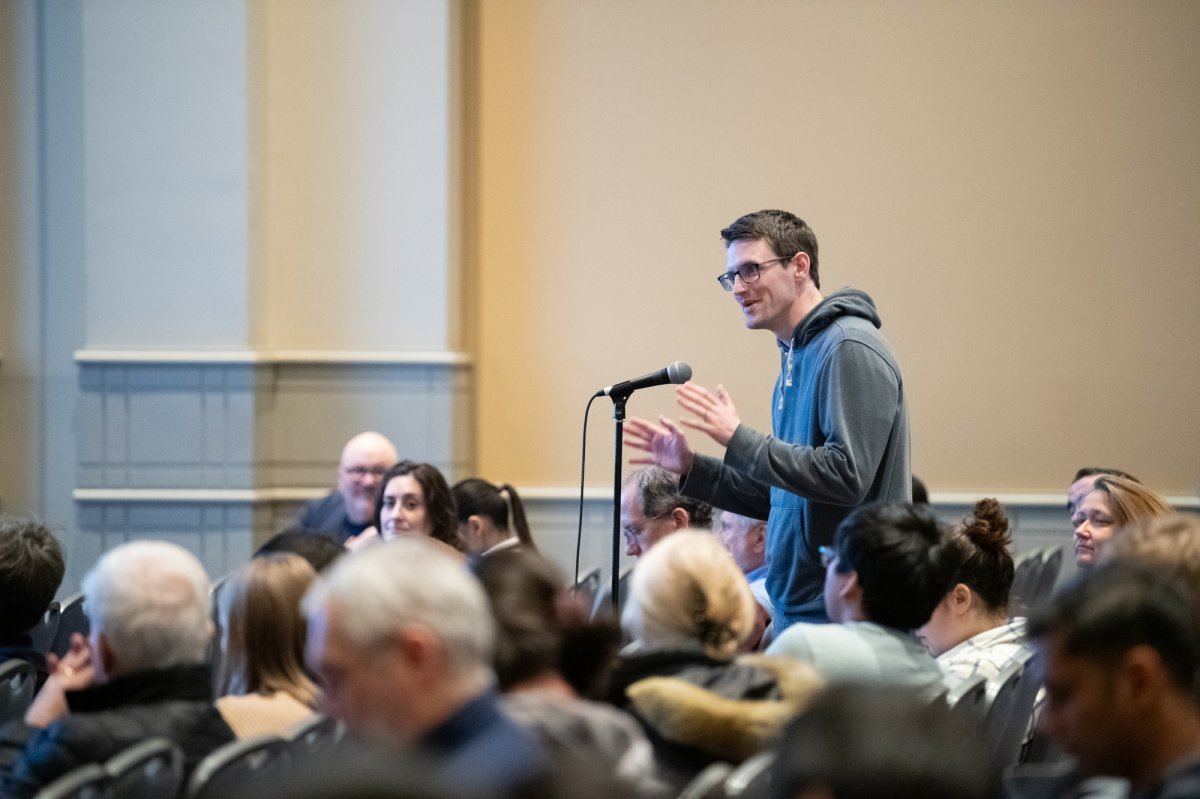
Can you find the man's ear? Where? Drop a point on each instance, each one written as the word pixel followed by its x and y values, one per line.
pixel 681 519
pixel 105 653
pixel 802 263
pixel 758 537
pixel 850 589
pixel 1141 678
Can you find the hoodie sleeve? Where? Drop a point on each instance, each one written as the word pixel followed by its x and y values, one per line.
pixel 858 399
pixel 725 488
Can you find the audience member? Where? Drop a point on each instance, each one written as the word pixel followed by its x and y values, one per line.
pixel 262 687
pixel 1122 654
pixel 889 567
pixel 31 569
pixel 746 540
pixel 318 550
pixel 346 511
pixel 872 741
pixel 1085 480
pixel 527 601
pixel 652 508
pixel 142 673
pixel 414 501
pixel 482 513
pixel 970 631
pixel 1113 504
pixel 689 610
pixel 403 639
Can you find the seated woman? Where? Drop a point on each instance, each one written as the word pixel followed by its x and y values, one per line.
pixel 970 632
pixel 414 500
pixel 1113 504
pixel 538 632
pixel 482 514
pixel 689 610
pixel 262 685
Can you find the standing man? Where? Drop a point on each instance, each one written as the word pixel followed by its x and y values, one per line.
pixel 350 508
pixel 839 417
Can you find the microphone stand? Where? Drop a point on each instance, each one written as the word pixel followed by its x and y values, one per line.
pixel 619 401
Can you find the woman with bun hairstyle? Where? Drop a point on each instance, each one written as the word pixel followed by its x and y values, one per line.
pixel 482 511
pixel 970 631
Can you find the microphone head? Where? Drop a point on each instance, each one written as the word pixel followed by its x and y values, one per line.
pixel 679 372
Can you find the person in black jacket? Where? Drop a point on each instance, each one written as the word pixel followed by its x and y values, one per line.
pixel 31 569
pixel 141 674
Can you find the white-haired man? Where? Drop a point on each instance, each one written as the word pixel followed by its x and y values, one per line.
pixel 350 508
pixel 402 637
pixel 142 673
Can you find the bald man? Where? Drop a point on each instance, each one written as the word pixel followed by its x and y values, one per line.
pixel 350 507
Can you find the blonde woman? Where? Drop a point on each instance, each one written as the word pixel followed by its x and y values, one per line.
pixel 262 685
pixel 689 610
pixel 1113 504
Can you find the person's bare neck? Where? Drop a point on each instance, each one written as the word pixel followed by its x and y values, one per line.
pixel 550 682
pixel 809 299
pixel 1174 737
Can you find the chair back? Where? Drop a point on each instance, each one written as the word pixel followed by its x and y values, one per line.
pixel 1051 567
pixel 708 784
pixel 1026 573
pixel 231 767
pixel 86 782
pixel 748 779
pixel 18 678
pixel 1010 738
pixel 152 769
pixel 43 632
pixel 968 700
pixel 1001 704
pixel 588 588
pixel 71 619
pixel 312 736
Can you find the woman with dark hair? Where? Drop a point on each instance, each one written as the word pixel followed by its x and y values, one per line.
pixel 415 500
pixel 970 631
pixel 537 633
pixel 482 512
pixel 262 685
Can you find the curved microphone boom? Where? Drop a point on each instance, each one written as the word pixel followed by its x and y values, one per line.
pixel 678 372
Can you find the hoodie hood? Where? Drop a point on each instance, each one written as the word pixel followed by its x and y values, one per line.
pixel 841 303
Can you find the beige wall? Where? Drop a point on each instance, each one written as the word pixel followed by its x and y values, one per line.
pixel 1016 184
pixel 351 142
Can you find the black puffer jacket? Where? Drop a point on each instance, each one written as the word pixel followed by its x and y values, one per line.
pixel 698 709
pixel 174 703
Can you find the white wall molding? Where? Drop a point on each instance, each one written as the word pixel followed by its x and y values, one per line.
pixel 198 495
pixel 273 357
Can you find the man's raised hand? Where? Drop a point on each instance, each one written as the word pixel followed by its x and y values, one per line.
pixel 665 445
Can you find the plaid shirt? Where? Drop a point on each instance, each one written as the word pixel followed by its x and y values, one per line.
pixel 987 653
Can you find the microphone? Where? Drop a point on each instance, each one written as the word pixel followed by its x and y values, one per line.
pixel 678 372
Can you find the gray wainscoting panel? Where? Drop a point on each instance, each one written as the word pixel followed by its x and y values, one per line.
pixel 167 426
pixel 216 455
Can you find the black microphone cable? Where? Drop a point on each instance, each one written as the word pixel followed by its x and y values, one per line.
pixel 582 475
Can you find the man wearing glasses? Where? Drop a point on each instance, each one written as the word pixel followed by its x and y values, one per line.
pixel 350 508
pixel 839 418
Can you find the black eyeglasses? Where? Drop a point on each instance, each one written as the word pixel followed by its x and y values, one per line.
pixel 749 272
pixel 828 555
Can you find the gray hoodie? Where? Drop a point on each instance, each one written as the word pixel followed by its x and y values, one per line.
pixel 840 439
